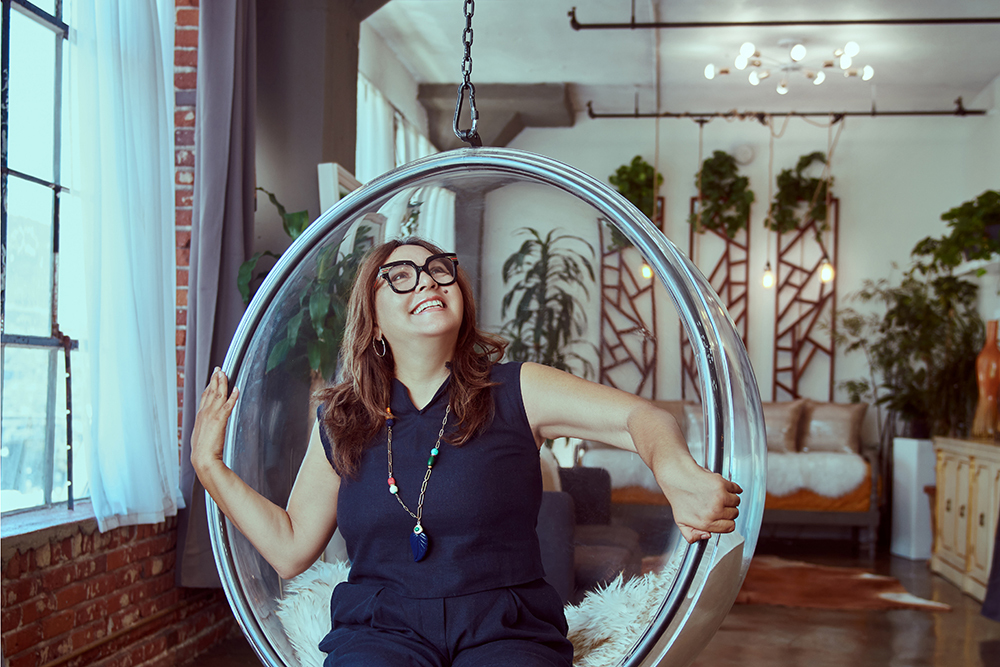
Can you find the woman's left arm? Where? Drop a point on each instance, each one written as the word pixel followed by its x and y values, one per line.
pixel 561 405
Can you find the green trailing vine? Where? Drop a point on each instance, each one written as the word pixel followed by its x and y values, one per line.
pixel 635 182
pixel 794 189
pixel 725 196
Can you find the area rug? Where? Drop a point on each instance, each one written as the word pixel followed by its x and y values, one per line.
pixel 787 583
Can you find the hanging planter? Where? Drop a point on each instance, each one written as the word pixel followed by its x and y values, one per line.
pixel 635 182
pixel 787 212
pixel 974 234
pixel 725 196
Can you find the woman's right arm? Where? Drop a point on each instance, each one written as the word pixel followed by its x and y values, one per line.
pixel 289 539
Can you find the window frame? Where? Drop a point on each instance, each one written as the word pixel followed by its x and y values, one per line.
pixel 57 340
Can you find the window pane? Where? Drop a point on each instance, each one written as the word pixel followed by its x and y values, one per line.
pixel 31 105
pixel 72 273
pixel 29 258
pixel 27 434
pixel 48 6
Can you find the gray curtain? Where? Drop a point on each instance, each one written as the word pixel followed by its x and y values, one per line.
pixel 221 238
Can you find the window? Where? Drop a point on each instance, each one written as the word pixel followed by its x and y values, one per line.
pixel 42 311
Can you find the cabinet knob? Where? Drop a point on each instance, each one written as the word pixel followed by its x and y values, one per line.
pixel 961 512
pixel 947 505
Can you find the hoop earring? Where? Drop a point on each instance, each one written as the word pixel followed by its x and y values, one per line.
pixel 380 340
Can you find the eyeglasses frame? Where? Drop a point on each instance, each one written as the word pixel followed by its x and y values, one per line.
pixel 383 271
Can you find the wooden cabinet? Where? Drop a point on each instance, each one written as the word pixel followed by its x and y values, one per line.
pixel 968 503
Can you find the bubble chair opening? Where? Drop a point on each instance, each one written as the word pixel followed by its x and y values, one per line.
pixel 510 189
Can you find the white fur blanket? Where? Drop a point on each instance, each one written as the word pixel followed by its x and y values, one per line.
pixel 829 474
pixel 606 624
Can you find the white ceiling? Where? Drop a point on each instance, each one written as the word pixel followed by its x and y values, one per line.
pixel 531 41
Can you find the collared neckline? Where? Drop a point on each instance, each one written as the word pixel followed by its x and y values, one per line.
pixel 402 404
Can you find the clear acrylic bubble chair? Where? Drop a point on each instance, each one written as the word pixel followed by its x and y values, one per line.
pixel 686 590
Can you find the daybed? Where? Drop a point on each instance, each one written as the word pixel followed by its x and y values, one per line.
pixel 818 472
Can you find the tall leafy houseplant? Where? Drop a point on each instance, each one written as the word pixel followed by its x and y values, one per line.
pixel 921 351
pixel 635 182
pixel 725 196
pixel 312 337
pixel 547 317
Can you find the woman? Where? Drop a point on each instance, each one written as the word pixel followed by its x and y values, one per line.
pixel 434 464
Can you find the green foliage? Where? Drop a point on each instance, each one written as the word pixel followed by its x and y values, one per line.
pixel 799 195
pixel 315 331
pixel 923 349
pixel 547 316
pixel 248 278
pixel 635 182
pixel 973 234
pixel 726 197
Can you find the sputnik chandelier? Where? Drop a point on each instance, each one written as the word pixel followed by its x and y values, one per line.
pixel 761 67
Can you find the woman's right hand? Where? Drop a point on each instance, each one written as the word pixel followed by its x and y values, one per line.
pixel 209 434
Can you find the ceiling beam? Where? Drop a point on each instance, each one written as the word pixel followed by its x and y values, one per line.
pixel 365 8
pixel 504 110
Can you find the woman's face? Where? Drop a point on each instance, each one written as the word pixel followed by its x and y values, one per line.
pixel 430 311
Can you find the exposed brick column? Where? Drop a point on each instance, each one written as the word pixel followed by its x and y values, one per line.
pixel 185 79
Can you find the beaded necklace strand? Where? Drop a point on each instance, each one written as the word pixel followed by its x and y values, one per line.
pixel 419 540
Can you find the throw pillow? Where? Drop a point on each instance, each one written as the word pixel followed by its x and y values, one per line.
pixel 832 427
pixel 781 421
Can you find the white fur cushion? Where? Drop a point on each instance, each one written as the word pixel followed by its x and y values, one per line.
pixel 602 627
pixel 829 474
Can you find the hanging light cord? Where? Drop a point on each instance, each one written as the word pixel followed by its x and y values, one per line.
pixel 470 136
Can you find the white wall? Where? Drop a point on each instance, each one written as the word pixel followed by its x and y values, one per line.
pixel 894 178
pixel 380 65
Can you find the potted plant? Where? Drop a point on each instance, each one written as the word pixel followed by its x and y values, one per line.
pixel 725 196
pixel 974 233
pixel 547 317
pixel 313 335
pixel 795 187
pixel 921 351
pixel 635 182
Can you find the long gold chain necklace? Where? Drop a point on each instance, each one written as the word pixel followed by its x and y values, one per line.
pixel 419 540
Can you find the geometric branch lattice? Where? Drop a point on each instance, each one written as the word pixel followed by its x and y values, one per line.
pixel 805 313
pixel 725 262
pixel 627 356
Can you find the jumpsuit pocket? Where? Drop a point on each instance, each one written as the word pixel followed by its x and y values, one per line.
pixel 351 606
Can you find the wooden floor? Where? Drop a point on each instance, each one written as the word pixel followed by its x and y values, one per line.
pixel 758 636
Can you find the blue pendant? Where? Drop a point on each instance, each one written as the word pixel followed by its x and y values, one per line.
pixel 418 543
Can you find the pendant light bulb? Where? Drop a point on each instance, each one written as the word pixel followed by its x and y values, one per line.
pixel 748 49
pixel 820 78
pixel 826 272
pixel 782 87
pixel 798 52
pixel 741 62
pixel 852 49
pixel 845 61
pixel 709 71
pixel 867 73
pixel 768 278
pixel 754 78
pixel 647 271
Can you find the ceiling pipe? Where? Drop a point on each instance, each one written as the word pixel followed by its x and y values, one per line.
pixel 762 116
pixel 633 25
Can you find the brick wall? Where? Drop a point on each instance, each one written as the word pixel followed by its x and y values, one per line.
pixel 74 596
pixel 81 597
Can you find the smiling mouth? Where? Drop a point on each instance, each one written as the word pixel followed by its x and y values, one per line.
pixel 428 304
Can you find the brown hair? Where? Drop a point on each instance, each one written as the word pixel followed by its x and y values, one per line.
pixel 354 410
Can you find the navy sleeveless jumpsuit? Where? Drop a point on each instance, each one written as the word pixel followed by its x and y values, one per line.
pixel 477 597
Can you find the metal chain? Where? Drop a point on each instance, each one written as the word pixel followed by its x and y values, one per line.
pixel 470 136
pixel 427 475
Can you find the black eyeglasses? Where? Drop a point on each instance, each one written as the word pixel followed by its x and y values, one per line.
pixel 404 275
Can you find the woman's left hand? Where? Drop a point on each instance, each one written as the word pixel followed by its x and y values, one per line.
pixel 702 502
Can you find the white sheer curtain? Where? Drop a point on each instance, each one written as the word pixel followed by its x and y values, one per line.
pixel 386 140
pixel 121 173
